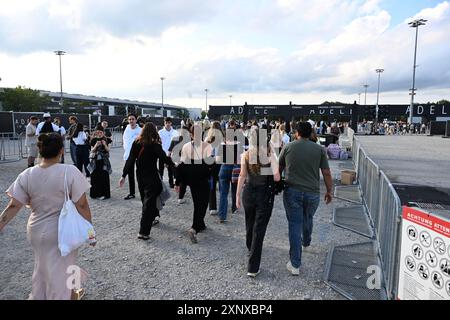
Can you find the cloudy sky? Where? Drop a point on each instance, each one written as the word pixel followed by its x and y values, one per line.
pixel 259 51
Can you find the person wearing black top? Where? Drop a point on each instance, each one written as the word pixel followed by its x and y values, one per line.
pixel 108 133
pixel 194 170
pixel 176 141
pixel 100 167
pixel 145 152
pixel 81 140
pixel 259 170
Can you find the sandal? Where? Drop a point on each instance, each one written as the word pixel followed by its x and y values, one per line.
pixel 192 235
pixel 130 196
pixel 79 293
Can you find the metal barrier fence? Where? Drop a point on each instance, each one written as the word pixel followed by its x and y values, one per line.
pixel 384 208
pixel 11 147
pixel 116 137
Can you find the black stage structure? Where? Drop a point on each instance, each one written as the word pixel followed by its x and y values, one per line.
pixel 352 113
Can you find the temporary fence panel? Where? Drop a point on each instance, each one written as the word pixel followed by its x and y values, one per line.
pixel 384 209
pixel 11 147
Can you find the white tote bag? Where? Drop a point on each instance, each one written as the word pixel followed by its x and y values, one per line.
pixel 73 229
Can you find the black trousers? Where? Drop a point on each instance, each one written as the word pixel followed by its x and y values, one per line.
pixel 149 193
pixel 257 216
pixel 183 189
pixel 82 152
pixel 200 197
pixel 131 182
pixel 169 170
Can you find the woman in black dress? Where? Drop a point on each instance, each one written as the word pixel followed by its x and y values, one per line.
pixel 146 152
pixel 99 166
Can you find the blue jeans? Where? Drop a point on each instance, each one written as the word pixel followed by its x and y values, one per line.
pixel 225 174
pixel 300 209
pixel 73 152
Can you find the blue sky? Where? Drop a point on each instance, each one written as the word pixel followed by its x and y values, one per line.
pixel 403 9
pixel 259 51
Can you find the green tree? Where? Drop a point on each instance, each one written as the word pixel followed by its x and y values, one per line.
pixel 183 114
pixel 24 100
pixel 204 114
pixel 331 103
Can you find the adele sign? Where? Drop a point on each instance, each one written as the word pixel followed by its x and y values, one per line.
pixel 431 110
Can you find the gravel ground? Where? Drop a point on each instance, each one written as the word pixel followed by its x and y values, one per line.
pixel 169 266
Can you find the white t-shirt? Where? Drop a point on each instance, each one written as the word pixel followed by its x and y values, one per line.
pixel 128 138
pixel 286 139
pixel 31 129
pixel 166 138
pixel 80 139
pixel 62 130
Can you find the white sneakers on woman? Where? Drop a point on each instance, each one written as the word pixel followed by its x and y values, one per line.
pixel 292 270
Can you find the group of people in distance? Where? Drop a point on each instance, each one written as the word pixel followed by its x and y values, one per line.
pixel 256 161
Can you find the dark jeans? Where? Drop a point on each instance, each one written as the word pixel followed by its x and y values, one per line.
pixel 257 215
pixel 149 193
pixel 300 209
pixel 83 158
pixel 73 152
pixel 212 195
pixel 224 183
pixel 200 196
pixel 169 170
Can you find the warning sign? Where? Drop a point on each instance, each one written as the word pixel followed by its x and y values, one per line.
pixel 425 257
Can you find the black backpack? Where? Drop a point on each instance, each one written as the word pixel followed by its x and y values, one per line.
pixel 47 128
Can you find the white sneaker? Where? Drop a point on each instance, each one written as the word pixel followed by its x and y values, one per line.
pixel 181 201
pixel 252 274
pixel 292 270
pixel 213 212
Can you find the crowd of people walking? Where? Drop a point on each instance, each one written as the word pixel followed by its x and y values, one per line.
pixel 252 161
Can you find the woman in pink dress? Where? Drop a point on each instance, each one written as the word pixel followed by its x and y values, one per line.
pixel 41 188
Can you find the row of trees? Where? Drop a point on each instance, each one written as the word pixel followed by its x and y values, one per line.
pixel 23 99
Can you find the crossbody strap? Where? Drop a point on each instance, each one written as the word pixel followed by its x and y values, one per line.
pixel 66 186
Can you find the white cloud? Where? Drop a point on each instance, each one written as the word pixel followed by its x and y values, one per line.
pixel 286 50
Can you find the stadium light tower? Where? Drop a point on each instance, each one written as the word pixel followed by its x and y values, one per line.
pixel 206 95
pixel 414 24
pixel 61 101
pixel 365 93
pixel 162 95
pixel 379 71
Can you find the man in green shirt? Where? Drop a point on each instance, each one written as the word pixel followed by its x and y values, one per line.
pixel 302 160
